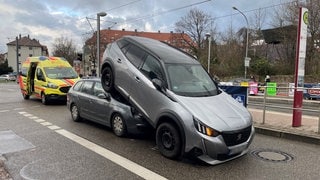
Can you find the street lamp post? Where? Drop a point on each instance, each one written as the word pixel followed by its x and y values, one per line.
pixel 208 35
pixel 246 60
pixel 100 14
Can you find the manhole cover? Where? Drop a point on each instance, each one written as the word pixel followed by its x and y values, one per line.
pixel 272 155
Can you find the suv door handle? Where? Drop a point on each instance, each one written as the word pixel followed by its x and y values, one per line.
pixel 137 78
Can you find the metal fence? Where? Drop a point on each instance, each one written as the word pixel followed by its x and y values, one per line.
pixel 284 92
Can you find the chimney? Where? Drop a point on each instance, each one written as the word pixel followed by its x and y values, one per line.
pixel 171 32
pixel 28 36
pixel 158 31
pixel 135 30
pixel 19 36
pixel 123 29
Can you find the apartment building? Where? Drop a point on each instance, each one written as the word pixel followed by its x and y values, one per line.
pixel 27 47
pixel 179 40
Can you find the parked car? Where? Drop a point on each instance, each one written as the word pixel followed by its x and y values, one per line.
pixel 312 91
pixel 7 77
pixel 179 99
pixel 87 100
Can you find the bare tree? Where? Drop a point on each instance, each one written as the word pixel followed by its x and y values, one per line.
pixel 288 15
pixel 64 47
pixel 196 24
pixel 258 19
pixel 229 55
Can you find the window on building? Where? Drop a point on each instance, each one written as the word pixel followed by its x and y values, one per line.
pixel 30 55
pixel 30 48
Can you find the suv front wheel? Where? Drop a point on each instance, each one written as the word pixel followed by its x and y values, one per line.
pixel 107 79
pixel 169 141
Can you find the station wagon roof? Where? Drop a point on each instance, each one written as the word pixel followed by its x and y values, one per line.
pixel 162 50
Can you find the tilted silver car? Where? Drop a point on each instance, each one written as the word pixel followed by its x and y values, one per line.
pixel 178 98
pixel 87 100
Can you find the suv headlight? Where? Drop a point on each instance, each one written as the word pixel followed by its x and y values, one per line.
pixel 204 129
pixel 52 85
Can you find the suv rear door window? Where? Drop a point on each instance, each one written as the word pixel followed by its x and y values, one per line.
pixel 135 55
pixel 152 68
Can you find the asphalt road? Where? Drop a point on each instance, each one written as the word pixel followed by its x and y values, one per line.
pixel 44 143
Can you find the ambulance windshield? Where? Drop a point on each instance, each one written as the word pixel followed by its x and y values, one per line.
pixel 60 73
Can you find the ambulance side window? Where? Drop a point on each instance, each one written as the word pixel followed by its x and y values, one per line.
pixel 40 75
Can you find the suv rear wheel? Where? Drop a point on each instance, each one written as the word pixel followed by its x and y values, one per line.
pixel 169 141
pixel 107 79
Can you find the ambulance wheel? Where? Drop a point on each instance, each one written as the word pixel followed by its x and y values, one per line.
pixel 44 99
pixel 25 96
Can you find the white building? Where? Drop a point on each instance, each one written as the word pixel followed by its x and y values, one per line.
pixel 26 48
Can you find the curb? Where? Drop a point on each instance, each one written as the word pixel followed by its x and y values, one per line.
pixel 287 134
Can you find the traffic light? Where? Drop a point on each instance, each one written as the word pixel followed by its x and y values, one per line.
pixel 79 56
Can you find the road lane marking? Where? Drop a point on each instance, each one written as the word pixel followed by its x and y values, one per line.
pixel 53 127
pixel 115 158
pixel 39 120
pixel 33 117
pixel 121 161
pixel 4 111
pixel 46 123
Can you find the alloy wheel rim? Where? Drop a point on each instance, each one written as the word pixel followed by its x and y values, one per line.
pixel 117 124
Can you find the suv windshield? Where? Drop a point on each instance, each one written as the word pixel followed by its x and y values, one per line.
pixel 190 80
pixel 60 72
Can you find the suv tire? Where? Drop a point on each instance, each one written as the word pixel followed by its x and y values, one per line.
pixel 107 79
pixel 169 141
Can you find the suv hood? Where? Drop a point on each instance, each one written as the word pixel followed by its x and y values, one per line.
pixel 220 112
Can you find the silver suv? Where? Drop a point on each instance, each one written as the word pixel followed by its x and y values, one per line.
pixel 174 93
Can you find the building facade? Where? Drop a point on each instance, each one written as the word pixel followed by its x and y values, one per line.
pixel 89 64
pixel 27 47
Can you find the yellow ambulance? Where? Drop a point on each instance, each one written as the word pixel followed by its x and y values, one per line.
pixel 47 78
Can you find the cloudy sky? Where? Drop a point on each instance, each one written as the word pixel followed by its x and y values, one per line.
pixel 46 20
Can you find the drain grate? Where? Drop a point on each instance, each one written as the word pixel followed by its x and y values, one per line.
pixel 272 155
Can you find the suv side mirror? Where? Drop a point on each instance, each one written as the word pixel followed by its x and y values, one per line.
pixel 158 84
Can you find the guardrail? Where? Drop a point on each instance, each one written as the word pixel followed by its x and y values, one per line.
pixel 283 95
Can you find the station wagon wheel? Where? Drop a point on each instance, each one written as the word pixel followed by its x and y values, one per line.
pixel 118 125
pixel 75 115
pixel 44 99
pixel 107 79
pixel 169 141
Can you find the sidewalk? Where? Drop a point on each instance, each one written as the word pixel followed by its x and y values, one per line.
pixel 280 125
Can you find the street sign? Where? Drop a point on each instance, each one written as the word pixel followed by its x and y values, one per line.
pixel 240 98
pixel 247 61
